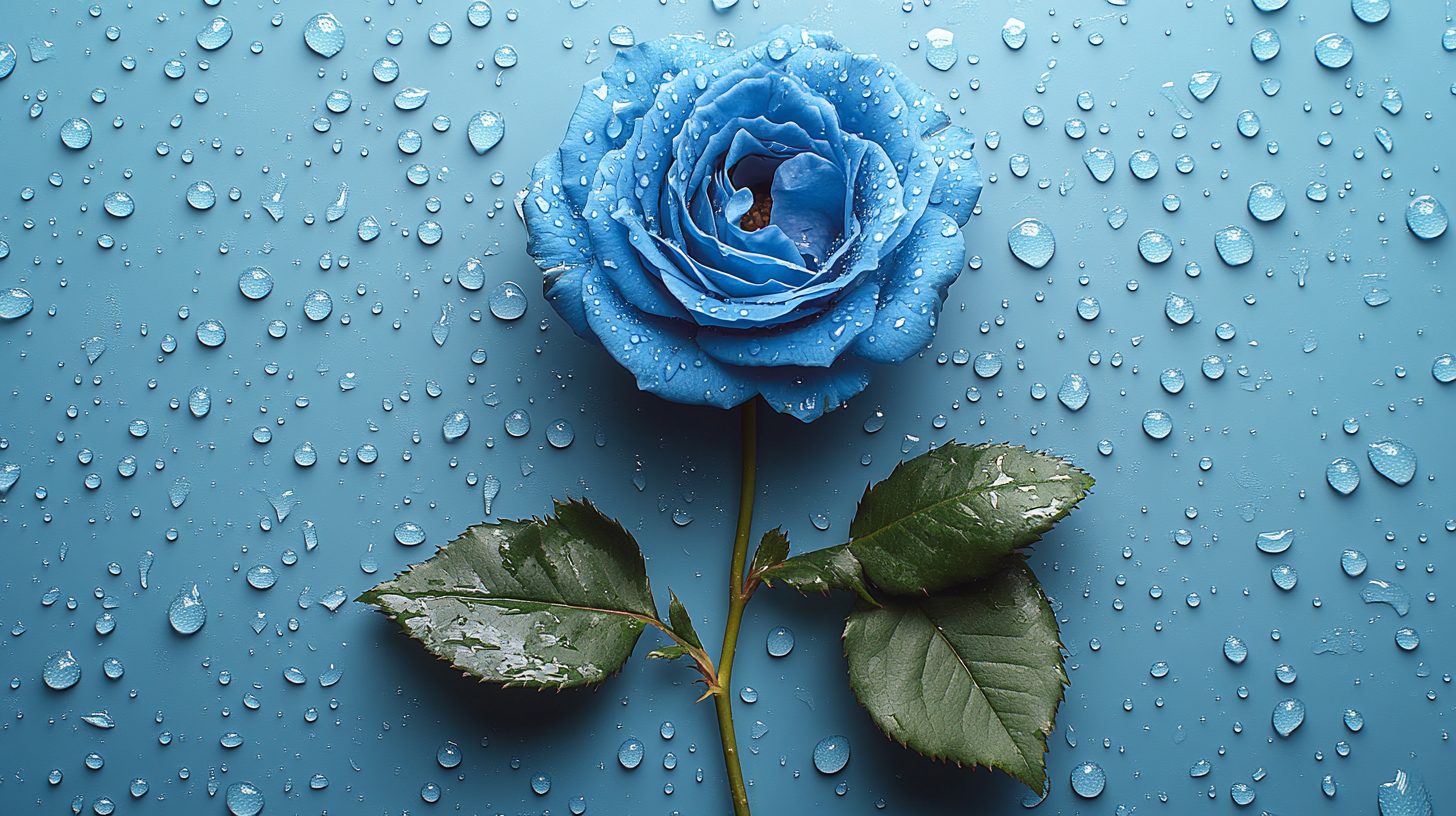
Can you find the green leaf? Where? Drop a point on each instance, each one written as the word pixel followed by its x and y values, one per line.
pixel 952 514
pixel 668 653
pixel 682 622
pixel 972 676
pixel 546 603
pixel 821 571
pixel 771 552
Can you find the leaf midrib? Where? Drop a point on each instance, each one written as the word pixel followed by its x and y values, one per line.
pixel 932 506
pixel 1030 766
pixel 492 598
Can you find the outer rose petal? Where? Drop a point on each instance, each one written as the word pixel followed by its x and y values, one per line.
pixel 809 393
pixel 816 342
pixel 911 297
pixel 958 186
pixel 658 351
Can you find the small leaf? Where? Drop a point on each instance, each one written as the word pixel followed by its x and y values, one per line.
pixel 546 603
pixel 951 515
pixel 771 552
pixel 682 622
pixel 821 571
pixel 668 653
pixel 972 676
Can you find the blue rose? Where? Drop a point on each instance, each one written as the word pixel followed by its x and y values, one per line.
pixel 764 221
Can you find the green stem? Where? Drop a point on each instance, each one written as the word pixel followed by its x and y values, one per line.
pixel 737 599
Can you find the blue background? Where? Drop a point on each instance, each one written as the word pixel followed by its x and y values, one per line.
pixel 1270 434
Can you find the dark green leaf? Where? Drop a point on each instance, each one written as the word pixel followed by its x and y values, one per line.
pixel 771 552
pixel 821 571
pixel 553 602
pixel 972 676
pixel 668 653
pixel 951 515
pixel 682 622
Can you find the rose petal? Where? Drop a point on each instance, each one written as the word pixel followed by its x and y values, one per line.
pixel 911 295
pixel 815 342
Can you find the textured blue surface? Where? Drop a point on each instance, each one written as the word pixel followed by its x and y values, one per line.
pixel 1270 433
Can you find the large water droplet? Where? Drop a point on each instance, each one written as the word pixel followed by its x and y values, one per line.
pixel 1395 595
pixel 411 98
pixel 1155 247
pixel 76 133
pixel 941 53
pixel 187 613
pixel 1334 50
pixel 215 34
pixel 1100 163
pixel 1288 715
pixel 508 301
pixel 1074 391
pixel 1088 780
pixel 199 401
pixel 1178 308
pixel 831 754
pixel 456 423
pixel 325 36
pixel 409 533
pixel 1032 243
pixel 1343 475
pixel 1406 795
pixel 1234 244
pixel 1203 84
pixel 61 670
pixel 630 752
pixel 244 798
pixel 1013 33
pixel 255 283
pixel 15 302
pixel 1274 542
pixel 1393 460
pixel 780 641
pixel 1266 202
pixel 1370 11
pixel 1265 44
pixel 1426 217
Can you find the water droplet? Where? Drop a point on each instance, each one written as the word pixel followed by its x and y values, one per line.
pixel 1155 247
pixel 199 401
pixel 560 433
pixel 1013 33
pixel 1334 50
pixel 1393 460
pixel 244 798
pixel 1101 164
pixel 831 754
pixel 61 670
pixel 780 641
pixel 1395 595
pixel 1143 164
pixel 211 333
pixel 506 57
pixel 1426 217
pixel 941 53
pixel 411 98
pixel 508 301
pixel 318 305
pixel 439 33
pixel 1172 380
pixel 748 694
pixel 1343 475
pixel 1088 308
pixel 262 576
pixel 987 364
pixel 456 423
pixel 1406 795
pixel 187 613
pixel 1235 245
pixel 1284 577
pixel 1288 715
pixel 1074 391
pixel 1266 202
pixel 76 133
pixel 478 13
pixel 1370 11
pixel 15 303
pixel 409 533
pixel 325 36
pixel 1234 649
pixel 94 348
pixel 630 753
pixel 1088 780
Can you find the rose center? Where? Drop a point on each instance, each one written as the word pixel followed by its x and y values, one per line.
pixel 759 214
